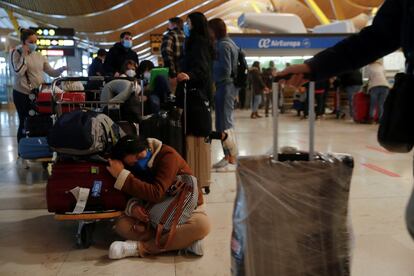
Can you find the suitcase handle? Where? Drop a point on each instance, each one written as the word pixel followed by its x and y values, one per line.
pixel 311 117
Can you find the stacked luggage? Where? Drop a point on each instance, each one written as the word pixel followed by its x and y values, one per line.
pixel 291 209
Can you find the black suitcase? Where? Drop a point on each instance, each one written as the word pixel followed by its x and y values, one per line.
pixel 165 126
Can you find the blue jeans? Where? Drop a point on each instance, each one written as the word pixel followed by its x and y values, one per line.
pixel 257 100
pixel 224 106
pixel 117 90
pixel 350 92
pixel 378 95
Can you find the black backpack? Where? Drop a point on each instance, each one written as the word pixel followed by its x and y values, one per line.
pixel 240 78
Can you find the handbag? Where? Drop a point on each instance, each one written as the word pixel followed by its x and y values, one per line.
pixel 396 130
pixel 176 208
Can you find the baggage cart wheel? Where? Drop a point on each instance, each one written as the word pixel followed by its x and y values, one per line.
pixel 206 190
pixel 84 237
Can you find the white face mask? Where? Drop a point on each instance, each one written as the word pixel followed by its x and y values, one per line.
pixel 130 73
pixel 147 75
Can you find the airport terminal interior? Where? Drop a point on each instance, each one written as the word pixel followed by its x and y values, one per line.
pixel 333 216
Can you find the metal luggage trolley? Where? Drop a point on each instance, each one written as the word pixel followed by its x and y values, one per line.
pixel 86 220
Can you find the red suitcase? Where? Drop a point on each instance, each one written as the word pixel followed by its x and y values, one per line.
pixel 68 175
pixel 360 105
pixel 44 101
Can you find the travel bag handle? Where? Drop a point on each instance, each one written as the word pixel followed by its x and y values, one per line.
pixel 311 116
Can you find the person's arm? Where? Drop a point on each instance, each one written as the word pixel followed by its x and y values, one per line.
pixel 226 65
pixel 167 52
pixel 373 42
pixel 50 71
pixel 18 62
pixel 165 173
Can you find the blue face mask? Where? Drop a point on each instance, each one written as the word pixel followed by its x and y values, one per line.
pixel 32 47
pixel 127 43
pixel 142 164
pixel 186 30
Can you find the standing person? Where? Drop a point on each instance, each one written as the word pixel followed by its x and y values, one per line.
pixel 118 54
pixel 96 68
pixel 378 88
pixel 258 87
pixel 224 72
pixel 268 75
pixel 172 48
pixel 28 67
pixel 391 29
pixel 351 82
pixel 197 67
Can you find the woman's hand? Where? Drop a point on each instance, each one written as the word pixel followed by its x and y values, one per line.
pixel 298 71
pixel 183 77
pixel 115 167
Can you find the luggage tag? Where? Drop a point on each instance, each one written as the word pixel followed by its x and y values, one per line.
pixel 81 196
pixel 96 188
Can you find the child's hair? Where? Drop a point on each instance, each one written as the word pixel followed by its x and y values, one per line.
pixel 127 145
pixel 25 33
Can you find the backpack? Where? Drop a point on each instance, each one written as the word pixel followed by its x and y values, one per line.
pixel 84 132
pixel 242 70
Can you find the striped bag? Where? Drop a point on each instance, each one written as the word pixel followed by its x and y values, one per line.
pixel 174 210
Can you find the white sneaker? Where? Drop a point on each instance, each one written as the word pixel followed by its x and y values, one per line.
pixel 220 164
pixel 119 249
pixel 196 249
pixel 228 168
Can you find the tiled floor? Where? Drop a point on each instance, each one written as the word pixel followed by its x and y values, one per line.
pixel 32 242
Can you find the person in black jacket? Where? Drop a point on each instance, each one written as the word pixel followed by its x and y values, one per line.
pixel 96 68
pixel 196 74
pixel 197 65
pixel 391 29
pixel 118 54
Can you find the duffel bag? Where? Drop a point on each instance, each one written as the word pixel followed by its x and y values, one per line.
pixel 83 132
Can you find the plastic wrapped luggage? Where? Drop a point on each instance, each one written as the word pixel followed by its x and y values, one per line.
pixel 102 195
pixel 34 148
pixel 291 209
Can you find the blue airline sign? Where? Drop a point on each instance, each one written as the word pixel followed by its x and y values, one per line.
pixel 287 42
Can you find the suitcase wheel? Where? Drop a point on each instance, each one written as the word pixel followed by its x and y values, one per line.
pixel 84 237
pixel 206 190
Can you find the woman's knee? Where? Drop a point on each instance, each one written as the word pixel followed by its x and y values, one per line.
pixel 202 226
pixel 123 226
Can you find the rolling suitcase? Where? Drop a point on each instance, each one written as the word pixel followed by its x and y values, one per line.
pixel 102 195
pixel 290 214
pixel 34 148
pixel 44 101
pixel 360 103
pixel 165 126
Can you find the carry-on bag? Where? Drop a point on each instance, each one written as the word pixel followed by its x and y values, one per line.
pixel 38 125
pixel 360 103
pixel 97 184
pixel 83 132
pixel 34 148
pixel 291 208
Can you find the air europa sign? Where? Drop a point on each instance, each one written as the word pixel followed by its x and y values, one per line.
pixel 285 42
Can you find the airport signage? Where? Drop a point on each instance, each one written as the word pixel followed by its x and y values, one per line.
pixel 286 42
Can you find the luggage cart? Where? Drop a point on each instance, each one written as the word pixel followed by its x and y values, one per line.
pixel 88 219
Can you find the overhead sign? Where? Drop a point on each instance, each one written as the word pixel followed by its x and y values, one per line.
pixel 286 42
pixel 155 42
pixel 52 32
